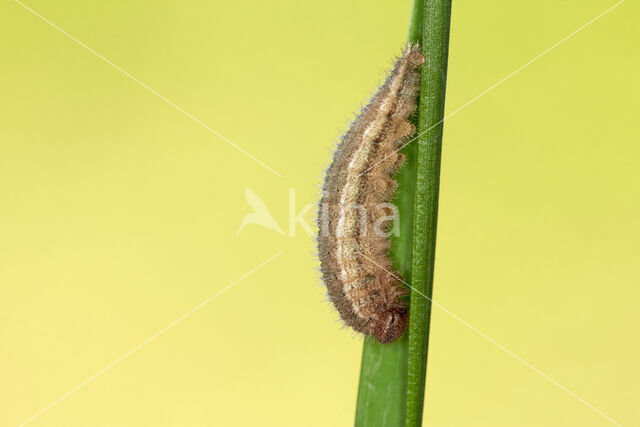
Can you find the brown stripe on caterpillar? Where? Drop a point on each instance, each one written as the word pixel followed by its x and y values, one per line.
pixel 352 245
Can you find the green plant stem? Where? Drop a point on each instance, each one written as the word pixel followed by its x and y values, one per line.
pixel 435 45
pixel 382 390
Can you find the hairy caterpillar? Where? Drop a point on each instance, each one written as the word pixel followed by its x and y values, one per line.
pixel 356 269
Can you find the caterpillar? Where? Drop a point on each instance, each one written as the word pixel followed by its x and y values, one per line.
pixel 354 211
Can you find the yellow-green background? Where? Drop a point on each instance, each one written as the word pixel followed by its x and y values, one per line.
pixel 118 213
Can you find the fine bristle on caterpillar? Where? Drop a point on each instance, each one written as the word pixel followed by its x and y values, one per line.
pixel 354 208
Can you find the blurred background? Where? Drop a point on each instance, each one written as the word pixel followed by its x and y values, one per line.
pixel 119 214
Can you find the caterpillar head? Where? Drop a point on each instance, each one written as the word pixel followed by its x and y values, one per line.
pixel 391 325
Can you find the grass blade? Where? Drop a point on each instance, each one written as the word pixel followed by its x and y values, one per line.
pixel 383 376
pixel 435 45
pixel 383 384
